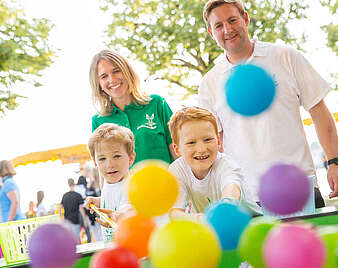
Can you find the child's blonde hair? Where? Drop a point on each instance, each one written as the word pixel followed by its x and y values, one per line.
pixel 101 99
pixel 114 133
pixel 189 114
pixel 6 168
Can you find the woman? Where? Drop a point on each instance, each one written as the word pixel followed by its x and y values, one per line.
pixel 116 93
pixel 41 210
pixel 9 193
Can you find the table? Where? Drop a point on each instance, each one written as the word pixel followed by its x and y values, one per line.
pixel 323 216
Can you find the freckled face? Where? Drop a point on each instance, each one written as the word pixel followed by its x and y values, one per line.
pixel 198 144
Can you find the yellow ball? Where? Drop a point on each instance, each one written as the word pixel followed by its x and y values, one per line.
pixel 152 189
pixel 184 244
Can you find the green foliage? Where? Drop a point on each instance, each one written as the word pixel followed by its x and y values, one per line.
pixel 332 34
pixel 170 36
pixel 24 51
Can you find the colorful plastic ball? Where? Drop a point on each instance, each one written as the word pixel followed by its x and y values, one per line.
pixel 133 233
pixel 252 239
pixel 293 246
pixel 329 235
pixel 229 221
pixel 115 257
pixel 152 189
pixel 249 90
pixel 52 246
pixel 184 244
pixel 284 189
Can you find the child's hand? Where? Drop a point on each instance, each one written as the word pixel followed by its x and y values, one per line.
pixel 92 200
pixel 112 215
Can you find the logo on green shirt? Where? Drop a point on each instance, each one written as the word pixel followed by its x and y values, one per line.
pixel 150 124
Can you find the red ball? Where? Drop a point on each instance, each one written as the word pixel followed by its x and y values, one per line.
pixel 116 257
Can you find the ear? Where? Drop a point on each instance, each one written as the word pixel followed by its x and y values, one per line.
pixel 176 150
pixel 132 158
pixel 210 33
pixel 246 18
pixel 219 144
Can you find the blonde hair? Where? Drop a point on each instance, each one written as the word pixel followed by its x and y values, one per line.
pixel 212 4
pixel 189 114
pixel 114 133
pixel 101 99
pixel 6 168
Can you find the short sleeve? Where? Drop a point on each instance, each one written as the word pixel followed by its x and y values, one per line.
pixel 182 191
pixel 165 114
pixel 94 123
pixel 10 186
pixel 312 87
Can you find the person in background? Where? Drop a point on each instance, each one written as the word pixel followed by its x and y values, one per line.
pixel 9 193
pixel 277 135
pixel 72 204
pixel 31 213
pixel 41 209
pixel 81 188
pixel 116 93
pixel 94 191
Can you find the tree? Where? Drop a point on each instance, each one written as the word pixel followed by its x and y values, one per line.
pixel 170 36
pixel 24 52
pixel 332 34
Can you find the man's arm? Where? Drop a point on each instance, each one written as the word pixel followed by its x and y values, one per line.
pixel 327 135
pixel 83 213
pixel 13 197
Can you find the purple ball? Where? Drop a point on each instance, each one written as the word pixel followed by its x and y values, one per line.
pixel 284 189
pixel 52 246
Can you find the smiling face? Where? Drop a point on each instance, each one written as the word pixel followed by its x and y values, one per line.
pixel 229 28
pixel 112 160
pixel 113 82
pixel 198 143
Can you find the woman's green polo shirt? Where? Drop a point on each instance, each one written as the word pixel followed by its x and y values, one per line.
pixel 149 123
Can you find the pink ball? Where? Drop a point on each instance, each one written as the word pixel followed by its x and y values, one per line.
pixel 293 246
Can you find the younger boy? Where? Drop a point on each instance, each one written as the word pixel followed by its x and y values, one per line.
pixel 204 174
pixel 111 148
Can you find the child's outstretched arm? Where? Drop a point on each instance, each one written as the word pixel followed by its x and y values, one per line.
pixel 231 191
pixel 179 214
pixel 114 217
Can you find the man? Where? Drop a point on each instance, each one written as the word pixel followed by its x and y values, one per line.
pixel 72 204
pixel 276 135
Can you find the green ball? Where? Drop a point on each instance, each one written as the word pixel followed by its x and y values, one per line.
pixel 251 242
pixel 329 235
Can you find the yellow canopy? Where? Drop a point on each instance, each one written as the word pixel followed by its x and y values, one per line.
pixel 72 154
pixel 308 121
pixel 78 153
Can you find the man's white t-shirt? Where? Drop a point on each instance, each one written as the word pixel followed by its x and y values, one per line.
pixel 203 192
pixel 276 135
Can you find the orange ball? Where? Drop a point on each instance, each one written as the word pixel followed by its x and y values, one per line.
pixel 152 189
pixel 133 233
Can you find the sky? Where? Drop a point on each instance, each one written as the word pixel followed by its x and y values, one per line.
pixel 58 114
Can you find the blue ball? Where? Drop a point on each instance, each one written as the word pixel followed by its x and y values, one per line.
pixel 249 90
pixel 229 221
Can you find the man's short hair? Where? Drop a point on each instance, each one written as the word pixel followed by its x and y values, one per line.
pixel 212 4
pixel 115 134
pixel 71 182
pixel 189 114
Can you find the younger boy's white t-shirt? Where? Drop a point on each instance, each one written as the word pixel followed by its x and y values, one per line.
pixel 202 192
pixel 114 197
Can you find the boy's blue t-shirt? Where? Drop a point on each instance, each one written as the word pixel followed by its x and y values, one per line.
pixel 5 203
